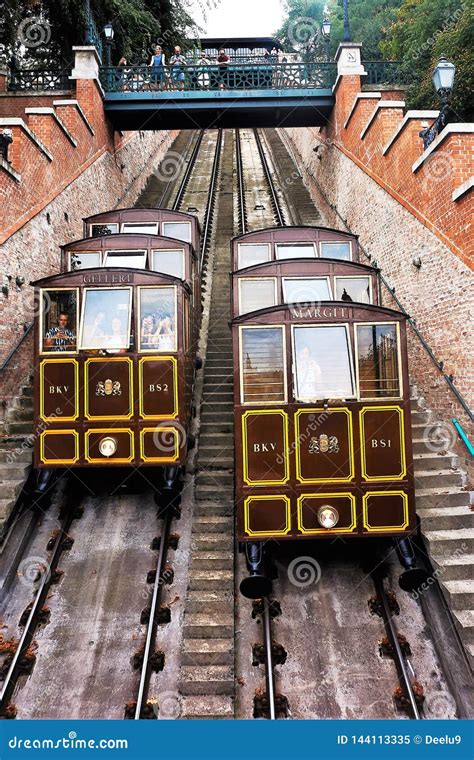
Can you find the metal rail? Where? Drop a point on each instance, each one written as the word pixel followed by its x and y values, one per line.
pixel 27 329
pixel 400 662
pixel 152 623
pixel 242 209
pixel 187 174
pixel 269 669
pixel 33 618
pixel 276 206
pixel 211 199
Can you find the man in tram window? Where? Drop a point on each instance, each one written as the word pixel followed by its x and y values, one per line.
pixel 60 338
pixel 308 373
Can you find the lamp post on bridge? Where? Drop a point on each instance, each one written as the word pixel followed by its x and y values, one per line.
pixel 109 36
pixel 347 30
pixel 88 18
pixel 326 32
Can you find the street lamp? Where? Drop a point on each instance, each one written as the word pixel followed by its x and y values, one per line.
pixel 347 32
pixel 108 31
pixel 326 32
pixel 443 82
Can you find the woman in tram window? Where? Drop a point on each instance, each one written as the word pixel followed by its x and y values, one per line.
pixel 309 374
pixel 165 336
pixel 158 74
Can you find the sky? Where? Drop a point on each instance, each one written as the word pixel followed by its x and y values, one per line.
pixel 240 18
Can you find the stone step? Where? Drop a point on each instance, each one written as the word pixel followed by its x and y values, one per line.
pixel 210 493
pixel 26 402
pixel 15 455
pixel 212 541
pixel 213 524
pixel 207 508
pixel 207 652
pixel 19 414
pixel 27 390
pixel 420 446
pixel 209 601
pixel 460 594
pixel 457 567
pixel 432 461
pixel 444 518
pixel 215 461
pixel 216 427
pixel 436 497
pixel 464 620
pixel 212 559
pixel 10 489
pixel 421 417
pixel 216 478
pixel 438 478
pixel 22 428
pixel 207 679
pixel 222 408
pixel 16 471
pixel 214 625
pixel 448 541
pixel 210 579
pixel 220 397
pixel 6 506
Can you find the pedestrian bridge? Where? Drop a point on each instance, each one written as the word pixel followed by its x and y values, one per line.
pixel 211 96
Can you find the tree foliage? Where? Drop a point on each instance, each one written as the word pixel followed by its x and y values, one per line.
pixel 415 32
pixel 40 30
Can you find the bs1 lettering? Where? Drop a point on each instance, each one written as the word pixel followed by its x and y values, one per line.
pixel 381 443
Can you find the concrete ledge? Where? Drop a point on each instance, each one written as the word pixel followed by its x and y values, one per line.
pixel 6 166
pixel 30 93
pixel 463 189
pixel 14 121
pixel 450 129
pixel 45 111
pixel 358 97
pixel 76 104
pixel 408 116
pixel 381 104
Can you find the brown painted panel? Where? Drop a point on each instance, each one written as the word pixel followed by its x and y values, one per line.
pixel 59 447
pixel 266 515
pixel 382 440
pixel 161 444
pixel 265 445
pixel 310 504
pixel 123 439
pixel 158 388
pixel 324 448
pixel 385 510
pixel 108 389
pixel 58 389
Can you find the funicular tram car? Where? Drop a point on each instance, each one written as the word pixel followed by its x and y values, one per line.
pixel 115 345
pixel 321 397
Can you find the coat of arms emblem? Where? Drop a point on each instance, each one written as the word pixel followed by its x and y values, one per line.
pixel 325 444
pixel 108 388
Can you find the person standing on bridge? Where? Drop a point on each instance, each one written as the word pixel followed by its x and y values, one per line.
pixel 177 61
pixel 157 63
pixel 223 61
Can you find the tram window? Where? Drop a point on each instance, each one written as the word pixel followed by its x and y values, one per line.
pixel 307 290
pixel 103 229
pixel 168 262
pixel 84 260
pixel 150 228
pixel 322 362
pixel 178 230
pixel 336 251
pixel 157 319
pixel 377 351
pixel 126 259
pixel 106 316
pixel 256 294
pixel 253 253
pixel 262 365
pixel 357 289
pixel 58 321
pixel 295 251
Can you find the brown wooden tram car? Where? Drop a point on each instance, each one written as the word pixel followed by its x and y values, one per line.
pixel 115 354
pixel 150 221
pixel 321 396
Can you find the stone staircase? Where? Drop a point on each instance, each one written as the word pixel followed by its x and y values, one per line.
pixel 207 670
pixel 447 520
pixel 15 451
